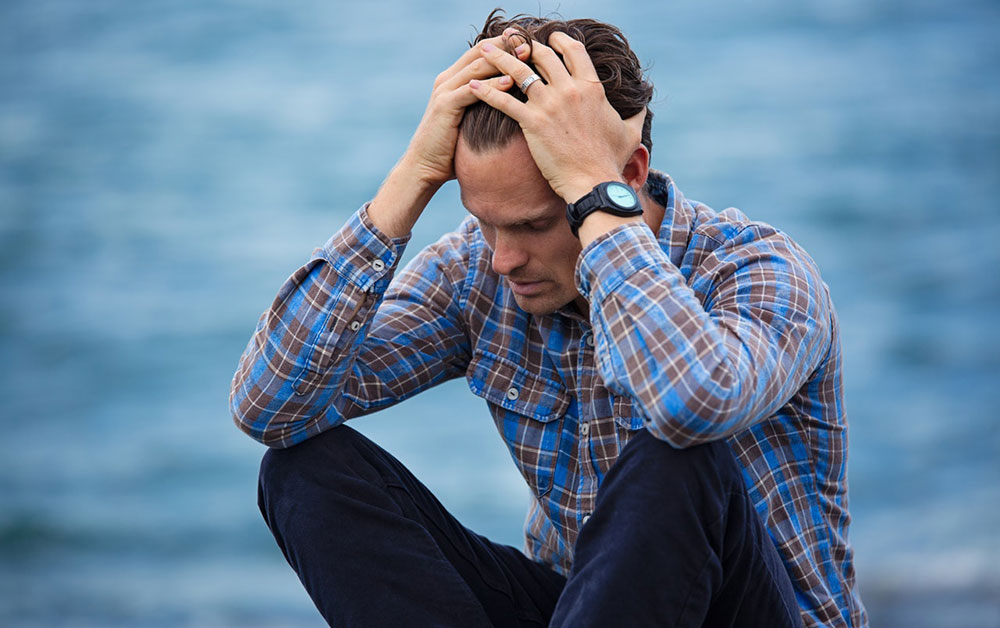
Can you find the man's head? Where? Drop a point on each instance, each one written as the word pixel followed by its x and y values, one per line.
pixel 521 218
pixel 484 127
pixel 523 221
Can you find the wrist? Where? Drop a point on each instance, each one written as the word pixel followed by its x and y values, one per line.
pixel 400 200
pixel 615 199
pixel 597 224
pixel 579 187
pixel 410 172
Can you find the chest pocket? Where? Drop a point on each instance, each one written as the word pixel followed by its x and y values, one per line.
pixel 527 409
pixel 626 414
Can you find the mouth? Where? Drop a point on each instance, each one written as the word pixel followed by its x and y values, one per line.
pixel 525 288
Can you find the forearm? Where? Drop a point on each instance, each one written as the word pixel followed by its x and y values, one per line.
pixel 701 365
pixel 598 223
pixel 289 378
pixel 429 159
pixel 292 377
pixel 401 199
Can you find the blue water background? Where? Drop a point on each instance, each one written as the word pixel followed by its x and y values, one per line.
pixel 165 165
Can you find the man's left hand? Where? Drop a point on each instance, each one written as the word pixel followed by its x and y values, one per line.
pixel 576 137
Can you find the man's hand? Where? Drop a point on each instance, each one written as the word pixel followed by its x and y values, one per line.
pixel 432 149
pixel 429 160
pixel 576 137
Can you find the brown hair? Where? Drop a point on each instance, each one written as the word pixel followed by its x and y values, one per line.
pixel 484 127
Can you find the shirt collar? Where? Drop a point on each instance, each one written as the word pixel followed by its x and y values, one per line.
pixel 660 186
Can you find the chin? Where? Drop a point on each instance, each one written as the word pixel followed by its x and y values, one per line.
pixel 540 305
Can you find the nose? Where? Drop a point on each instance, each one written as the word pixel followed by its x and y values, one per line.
pixel 507 255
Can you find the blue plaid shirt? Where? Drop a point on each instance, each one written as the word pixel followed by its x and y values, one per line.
pixel 715 328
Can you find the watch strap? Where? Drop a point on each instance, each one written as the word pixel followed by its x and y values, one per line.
pixel 599 200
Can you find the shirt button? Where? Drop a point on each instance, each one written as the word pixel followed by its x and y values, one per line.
pixel 586 518
pixel 378 265
pixel 585 428
pixel 513 393
pixel 355 325
pixel 590 340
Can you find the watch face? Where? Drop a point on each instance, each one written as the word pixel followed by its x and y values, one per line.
pixel 622 195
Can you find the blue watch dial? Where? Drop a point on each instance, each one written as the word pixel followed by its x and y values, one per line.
pixel 622 195
pixel 613 197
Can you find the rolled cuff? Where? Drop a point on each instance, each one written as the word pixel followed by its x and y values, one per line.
pixel 361 254
pixel 611 258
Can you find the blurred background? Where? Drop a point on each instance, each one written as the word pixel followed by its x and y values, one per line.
pixel 165 165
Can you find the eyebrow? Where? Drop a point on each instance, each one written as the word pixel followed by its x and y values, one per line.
pixel 544 215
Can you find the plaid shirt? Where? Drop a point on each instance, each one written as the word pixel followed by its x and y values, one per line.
pixel 719 328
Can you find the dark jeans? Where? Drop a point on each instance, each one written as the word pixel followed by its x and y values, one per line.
pixel 673 541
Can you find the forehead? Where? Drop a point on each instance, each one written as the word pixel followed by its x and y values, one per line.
pixel 504 186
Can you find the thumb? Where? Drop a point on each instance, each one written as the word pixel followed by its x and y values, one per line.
pixel 634 126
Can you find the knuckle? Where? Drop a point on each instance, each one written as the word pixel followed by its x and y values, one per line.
pixel 434 108
pixel 589 89
pixel 516 39
pixel 545 51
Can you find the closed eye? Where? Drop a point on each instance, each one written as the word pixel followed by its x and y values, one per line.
pixel 536 225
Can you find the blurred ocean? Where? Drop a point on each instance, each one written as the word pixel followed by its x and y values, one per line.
pixel 164 165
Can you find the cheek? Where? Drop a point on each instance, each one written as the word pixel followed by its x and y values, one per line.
pixel 562 253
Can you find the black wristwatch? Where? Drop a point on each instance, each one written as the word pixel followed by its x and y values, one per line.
pixel 612 197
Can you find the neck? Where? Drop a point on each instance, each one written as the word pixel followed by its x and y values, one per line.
pixel 652 212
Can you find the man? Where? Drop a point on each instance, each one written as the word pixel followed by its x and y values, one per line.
pixel 667 378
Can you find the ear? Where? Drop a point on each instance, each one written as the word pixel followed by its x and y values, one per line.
pixel 637 168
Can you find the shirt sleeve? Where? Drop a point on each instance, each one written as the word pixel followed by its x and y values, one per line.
pixel 709 355
pixel 339 342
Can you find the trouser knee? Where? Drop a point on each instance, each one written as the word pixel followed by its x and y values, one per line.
pixel 324 464
pixel 661 468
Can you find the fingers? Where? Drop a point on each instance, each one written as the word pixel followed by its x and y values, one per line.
pixel 466 95
pixel 506 63
pixel 634 126
pixel 467 57
pixel 470 56
pixel 488 92
pixel 576 63
pixel 478 69
pixel 574 55
pixel 547 62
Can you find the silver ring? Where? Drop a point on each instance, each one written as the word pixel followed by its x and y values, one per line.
pixel 526 83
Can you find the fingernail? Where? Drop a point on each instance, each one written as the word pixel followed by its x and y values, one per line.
pixel 474 84
pixel 510 30
pixel 487 47
pixel 520 50
pixel 505 80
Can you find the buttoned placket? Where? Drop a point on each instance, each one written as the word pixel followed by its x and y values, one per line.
pixel 378 266
pixel 586 385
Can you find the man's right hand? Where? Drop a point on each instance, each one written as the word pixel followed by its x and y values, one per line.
pixel 429 160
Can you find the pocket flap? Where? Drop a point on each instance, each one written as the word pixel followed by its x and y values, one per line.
pixel 515 388
pixel 625 415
